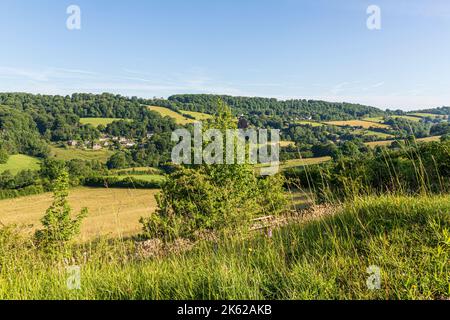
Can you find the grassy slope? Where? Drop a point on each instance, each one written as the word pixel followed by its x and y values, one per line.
pixel 358 123
pixel 389 142
pixel 197 115
pixel 407 238
pixel 98 121
pixel 73 153
pixel 20 162
pixel 166 112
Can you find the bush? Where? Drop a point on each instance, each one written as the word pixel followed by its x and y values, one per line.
pixel 207 198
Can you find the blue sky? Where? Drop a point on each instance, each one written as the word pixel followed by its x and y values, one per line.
pixel 318 49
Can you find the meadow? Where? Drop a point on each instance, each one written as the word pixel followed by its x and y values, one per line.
pixel 358 123
pixel 178 117
pixel 142 177
pixel 387 143
pixel 410 118
pixel 200 116
pixel 426 115
pixel 69 153
pixel 112 212
pixel 20 162
pixel 95 122
pixel 310 123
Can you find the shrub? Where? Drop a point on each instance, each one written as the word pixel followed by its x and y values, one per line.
pixel 213 197
pixel 59 226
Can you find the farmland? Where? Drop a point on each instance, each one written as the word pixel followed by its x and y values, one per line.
pixel 358 123
pixel 197 115
pixel 427 115
pixel 284 144
pixel 112 212
pixel 309 123
pixel 142 177
pixel 303 162
pixel 375 119
pixel 410 118
pixel 20 162
pixel 166 112
pixel 379 135
pixel 67 154
pixel 95 122
pixel 386 143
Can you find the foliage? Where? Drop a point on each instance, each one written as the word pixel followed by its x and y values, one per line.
pixel 4 156
pixel 59 226
pixel 213 197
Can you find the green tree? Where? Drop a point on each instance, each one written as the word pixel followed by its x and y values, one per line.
pixel 3 156
pixel 59 226
pixel 224 198
pixel 118 160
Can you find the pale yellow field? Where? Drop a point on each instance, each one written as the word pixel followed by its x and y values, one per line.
pixel 284 144
pixel 112 212
pixel 374 119
pixel 166 112
pixel 358 123
pixel 389 142
pixel 304 162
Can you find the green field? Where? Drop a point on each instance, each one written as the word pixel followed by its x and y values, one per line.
pixel 358 123
pixel 375 119
pixel 427 115
pixel 197 115
pixel 178 117
pixel 95 122
pixel 141 177
pixel 389 142
pixel 380 135
pixel 20 162
pixel 73 153
pixel 303 162
pixel 310 123
pixel 410 118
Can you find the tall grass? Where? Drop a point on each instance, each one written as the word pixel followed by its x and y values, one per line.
pixel 408 238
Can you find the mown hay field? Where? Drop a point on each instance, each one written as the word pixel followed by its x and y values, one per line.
pixel 112 212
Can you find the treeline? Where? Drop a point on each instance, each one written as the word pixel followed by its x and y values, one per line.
pixel 444 111
pixel 57 118
pixel 258 108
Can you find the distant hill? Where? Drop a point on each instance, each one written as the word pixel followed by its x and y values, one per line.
pixel 301 109
pixel 439 111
